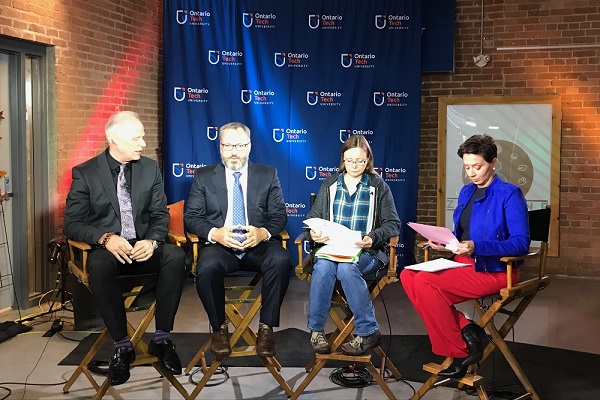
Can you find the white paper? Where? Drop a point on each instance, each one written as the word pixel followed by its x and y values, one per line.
pixel 339 235
pixel 438 264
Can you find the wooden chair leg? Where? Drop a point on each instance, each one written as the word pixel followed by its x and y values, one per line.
pixel 83 365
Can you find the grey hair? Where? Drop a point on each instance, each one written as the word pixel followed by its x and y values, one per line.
pixel 118 119
pixel 235 126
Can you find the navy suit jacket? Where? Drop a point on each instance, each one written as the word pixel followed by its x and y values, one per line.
pixel 206 207
pixel 93 207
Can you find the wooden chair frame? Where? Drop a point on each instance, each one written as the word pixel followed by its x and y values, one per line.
pixel 343 319
pixel 78 266
pixel 241 321
pixel 520 295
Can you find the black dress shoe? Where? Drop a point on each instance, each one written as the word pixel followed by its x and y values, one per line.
pixel 219 343
pixel 265 343
pixel 118 369
pixel 165 351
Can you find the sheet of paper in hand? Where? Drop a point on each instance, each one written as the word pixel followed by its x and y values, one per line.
pixel 341 245
pixel 437 234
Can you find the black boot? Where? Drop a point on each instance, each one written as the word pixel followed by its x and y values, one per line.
pixel 473 335
pixel 456 370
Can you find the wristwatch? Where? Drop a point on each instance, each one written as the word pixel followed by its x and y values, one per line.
pixel 154 244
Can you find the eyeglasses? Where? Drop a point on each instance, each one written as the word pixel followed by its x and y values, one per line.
pixel 356 162
pixel 238 147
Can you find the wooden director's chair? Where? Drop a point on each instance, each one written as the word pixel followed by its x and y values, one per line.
pixel 521 294
pixel 344 320
pixel 236 298
pixel 78 266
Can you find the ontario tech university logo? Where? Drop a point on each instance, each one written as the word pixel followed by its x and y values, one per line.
pixel 258 97
pixel 293 60
pixel 259 20
pixel 225 57
pixel 312 172
pixel 316 21
pixel 331 99
pixel 391 21
pixel 197 18
pixel 346 133
pixel 180 169
pixel 193 95
pixel 295 210
pixel 390 99
pixel 290 135
pixel 358 60
pixel 212 132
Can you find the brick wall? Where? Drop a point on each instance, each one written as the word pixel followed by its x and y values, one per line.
pixel 108 57
pixel 574 73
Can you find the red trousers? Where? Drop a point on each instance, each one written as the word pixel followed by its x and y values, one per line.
pixel 434 294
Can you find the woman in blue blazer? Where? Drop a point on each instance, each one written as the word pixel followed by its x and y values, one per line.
pixel 490 221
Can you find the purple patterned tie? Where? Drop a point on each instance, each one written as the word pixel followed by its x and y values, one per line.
pixel 127 225
pixel 239 212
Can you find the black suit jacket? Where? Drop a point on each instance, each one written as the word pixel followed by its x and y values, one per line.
pixel 93 207
pixel 206 207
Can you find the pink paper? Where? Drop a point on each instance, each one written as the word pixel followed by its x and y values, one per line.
pixel 437 234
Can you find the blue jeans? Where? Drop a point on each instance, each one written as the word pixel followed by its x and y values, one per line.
pixel 355 288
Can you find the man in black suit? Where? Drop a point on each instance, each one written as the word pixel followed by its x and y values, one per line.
pixel 236 208
pixel 117 205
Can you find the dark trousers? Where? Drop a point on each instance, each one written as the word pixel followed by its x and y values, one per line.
pixel 168 261
pixel 216 261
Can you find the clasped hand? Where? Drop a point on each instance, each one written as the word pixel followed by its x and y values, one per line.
pixel 229 236
pixel 141 251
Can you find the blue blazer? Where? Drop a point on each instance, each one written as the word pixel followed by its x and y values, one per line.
pixel 499 224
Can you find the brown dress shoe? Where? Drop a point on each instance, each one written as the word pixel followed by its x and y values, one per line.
pixel 219 343
pixel 265 343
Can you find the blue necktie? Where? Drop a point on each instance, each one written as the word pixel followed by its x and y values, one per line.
pixel 239 213
pixel 127 224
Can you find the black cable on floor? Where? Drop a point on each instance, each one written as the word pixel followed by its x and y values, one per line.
pixel 352 376
pixel 222 370
pixel 8 390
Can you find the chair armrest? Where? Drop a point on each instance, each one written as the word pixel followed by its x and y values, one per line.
pixel 301 269
pixel 510 261
pixel 284 238
pixel 392 243
pixel 78 260
pixel 176 238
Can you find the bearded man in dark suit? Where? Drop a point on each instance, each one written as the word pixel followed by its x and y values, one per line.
pixel 237 210
pixel 118 206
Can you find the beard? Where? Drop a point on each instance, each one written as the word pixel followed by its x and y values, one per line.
pixel 234 164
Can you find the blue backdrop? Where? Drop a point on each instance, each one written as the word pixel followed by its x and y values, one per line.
pixel 303 75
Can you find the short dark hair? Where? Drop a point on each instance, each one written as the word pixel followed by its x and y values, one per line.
pixel 481 145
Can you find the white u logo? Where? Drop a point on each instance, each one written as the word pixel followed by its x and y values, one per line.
pixel 278 138
pixel 380 21
pixel 178 17
pixel 182 92
pixel 279 59
pixel 378 98
pixel 346 60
